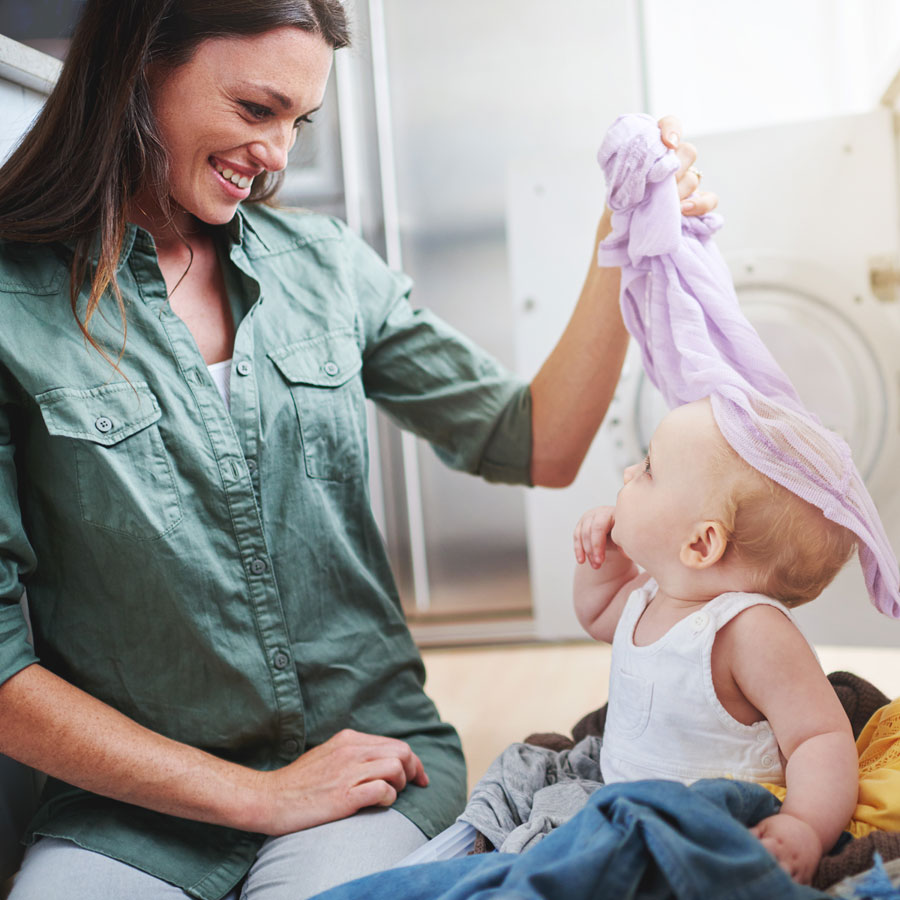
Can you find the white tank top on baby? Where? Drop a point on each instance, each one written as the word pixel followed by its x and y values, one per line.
pixel 664 719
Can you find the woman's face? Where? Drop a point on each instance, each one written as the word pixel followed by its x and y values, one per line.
pixel 232 112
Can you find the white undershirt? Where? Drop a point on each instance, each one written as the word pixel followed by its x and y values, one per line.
pixel 221 375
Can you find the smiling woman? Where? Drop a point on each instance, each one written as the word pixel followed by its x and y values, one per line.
pixel 237 129
pixel 101 119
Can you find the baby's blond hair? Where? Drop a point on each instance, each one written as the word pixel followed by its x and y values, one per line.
pixel 788 541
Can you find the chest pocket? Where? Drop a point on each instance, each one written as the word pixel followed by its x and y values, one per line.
pixel 324 378
pixel 125 481
pixel 629 704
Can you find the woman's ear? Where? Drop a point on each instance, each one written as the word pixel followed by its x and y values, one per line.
pixel 705 547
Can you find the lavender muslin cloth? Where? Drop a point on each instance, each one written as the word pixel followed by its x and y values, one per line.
pixel 679 304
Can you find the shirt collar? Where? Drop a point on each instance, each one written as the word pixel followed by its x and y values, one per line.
pixel 236 231
pixel 127 245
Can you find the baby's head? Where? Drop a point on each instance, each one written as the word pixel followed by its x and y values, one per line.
pixel 695 515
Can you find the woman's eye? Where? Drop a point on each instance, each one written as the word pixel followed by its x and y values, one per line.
pixel 255 110
pixel 303 120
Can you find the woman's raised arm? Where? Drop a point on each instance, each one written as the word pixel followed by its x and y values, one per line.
pixel 573 389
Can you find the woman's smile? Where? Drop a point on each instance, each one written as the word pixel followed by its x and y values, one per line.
pixel 232 181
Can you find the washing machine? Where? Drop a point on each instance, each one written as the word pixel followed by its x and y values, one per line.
pixel 811 223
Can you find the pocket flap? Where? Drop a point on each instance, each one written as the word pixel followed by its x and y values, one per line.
pixel 104 415
pixel 327 360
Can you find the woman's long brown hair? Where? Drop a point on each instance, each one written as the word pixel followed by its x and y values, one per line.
pixel 96 143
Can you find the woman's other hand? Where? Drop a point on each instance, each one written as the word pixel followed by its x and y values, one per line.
pixel 694 201
pixel 350 771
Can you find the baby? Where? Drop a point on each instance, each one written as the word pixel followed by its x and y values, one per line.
pixel 710 675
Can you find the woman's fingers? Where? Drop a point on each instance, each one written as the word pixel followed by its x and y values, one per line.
pixel 372 793
pixel 389 770
pixel 670 130
pixel 688 175
pixel 694 200
pixel 699 203
pixel 362 748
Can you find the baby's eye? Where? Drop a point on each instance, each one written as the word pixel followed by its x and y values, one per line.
pixel 647 464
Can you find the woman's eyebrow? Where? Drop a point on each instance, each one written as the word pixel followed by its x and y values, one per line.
pixel 273 95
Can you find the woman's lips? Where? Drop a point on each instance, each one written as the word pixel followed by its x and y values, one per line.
pixel 235 183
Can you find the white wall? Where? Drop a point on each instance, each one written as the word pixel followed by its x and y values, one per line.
pixel 18 107
pixel 724 66
pixel 26 76
pixel 478 82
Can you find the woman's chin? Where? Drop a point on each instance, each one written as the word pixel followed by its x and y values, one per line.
pixel 221 214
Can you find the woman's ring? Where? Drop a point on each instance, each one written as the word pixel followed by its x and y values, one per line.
pixel 696 172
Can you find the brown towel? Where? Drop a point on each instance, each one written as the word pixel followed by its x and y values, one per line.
pixel 856 857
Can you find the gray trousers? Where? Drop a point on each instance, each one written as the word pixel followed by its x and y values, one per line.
pixel 292 867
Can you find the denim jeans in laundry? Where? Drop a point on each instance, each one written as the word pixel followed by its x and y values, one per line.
pixel 643 839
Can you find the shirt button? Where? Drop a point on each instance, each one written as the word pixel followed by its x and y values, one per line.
pixel 258 566
pixel 331 368
pixel 251 466
pixel 699 620
pixel 767 760
pixel 291 746
pixel 281 659
pixel 103 425
pixel 244 368
pixel 761 736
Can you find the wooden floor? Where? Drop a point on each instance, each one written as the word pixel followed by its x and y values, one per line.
pixel 498 695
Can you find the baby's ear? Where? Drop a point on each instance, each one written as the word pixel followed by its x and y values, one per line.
pixel 705 547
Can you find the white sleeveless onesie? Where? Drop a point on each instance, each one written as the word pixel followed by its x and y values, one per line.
pixel 664 719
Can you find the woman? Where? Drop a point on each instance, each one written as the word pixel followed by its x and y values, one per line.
pixel 222 689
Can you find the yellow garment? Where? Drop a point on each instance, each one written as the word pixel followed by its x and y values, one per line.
pixel 878 745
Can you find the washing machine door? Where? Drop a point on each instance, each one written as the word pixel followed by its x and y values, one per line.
pixel 838 349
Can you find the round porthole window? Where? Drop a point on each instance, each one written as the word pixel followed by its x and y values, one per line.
pixel 835 348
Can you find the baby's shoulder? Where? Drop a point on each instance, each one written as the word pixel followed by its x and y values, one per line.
pixel 760 632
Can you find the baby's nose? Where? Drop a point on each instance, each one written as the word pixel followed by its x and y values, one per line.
pixel 628 474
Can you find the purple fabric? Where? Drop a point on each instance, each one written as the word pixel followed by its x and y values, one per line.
pixel 679 303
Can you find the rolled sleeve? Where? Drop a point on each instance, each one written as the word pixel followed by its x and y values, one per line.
pixel 435 382
pixel 16 560
pixel 15 650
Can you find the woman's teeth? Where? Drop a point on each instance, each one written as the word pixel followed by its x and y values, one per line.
pixel 241 181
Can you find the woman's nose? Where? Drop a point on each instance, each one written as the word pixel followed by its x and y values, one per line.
pixel 272 153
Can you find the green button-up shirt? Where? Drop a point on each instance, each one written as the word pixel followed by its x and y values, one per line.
pixel 218 576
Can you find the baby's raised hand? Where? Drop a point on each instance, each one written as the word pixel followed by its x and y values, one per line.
pixel 592 536
pixel 794 844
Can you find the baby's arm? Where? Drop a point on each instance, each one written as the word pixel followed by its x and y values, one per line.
pixel 602 586
pixel 778 673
